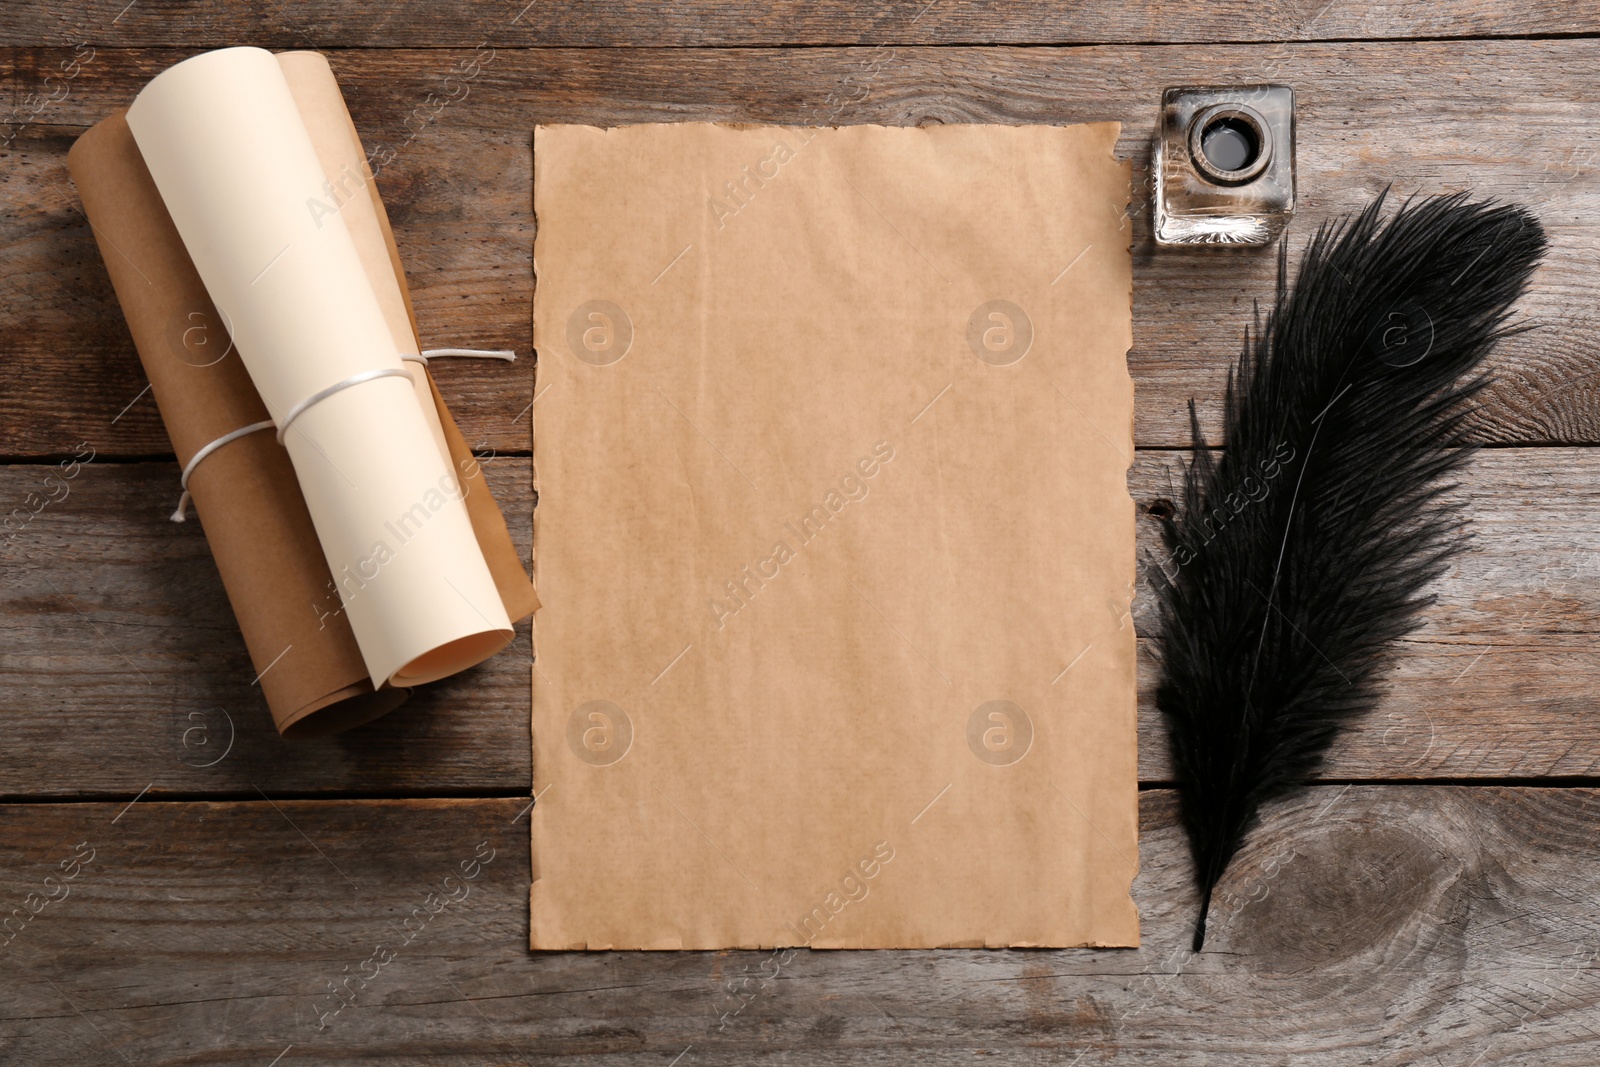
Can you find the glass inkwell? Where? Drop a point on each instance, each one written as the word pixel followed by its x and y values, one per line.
pixel 1224 165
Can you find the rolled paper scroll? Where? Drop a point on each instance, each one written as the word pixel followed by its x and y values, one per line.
pixel 235 164
pixel 303 652
pixel 352 191
pixel 266 550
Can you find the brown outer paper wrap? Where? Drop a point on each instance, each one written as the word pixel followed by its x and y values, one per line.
pixel 246 494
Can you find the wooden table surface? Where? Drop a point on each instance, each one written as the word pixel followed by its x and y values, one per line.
pixel 1433 900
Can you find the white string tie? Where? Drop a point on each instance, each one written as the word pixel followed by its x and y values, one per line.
pixel 194 461
pixel 337 387
pixel 317 397
pixel 481 353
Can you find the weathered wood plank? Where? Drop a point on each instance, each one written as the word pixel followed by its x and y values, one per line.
pixel 1501 680
pixel 512 23
pixel 120 660
pixel 1513 119
pixel 1387 925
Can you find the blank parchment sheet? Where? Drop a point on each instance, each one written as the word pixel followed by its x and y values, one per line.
pixel 834 539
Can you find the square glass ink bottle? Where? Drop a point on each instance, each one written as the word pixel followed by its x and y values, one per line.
pixel 1224 164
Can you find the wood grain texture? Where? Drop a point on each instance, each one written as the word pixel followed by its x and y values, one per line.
pixel 115 637
pixel 1374 925
pixel 1362 924
pixel 1518 120
pixel 518 23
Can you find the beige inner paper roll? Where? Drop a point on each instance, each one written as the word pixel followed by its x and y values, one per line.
pixel 321 105
pixel 333 132
pixel 230 152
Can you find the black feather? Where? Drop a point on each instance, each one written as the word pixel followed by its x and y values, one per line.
pixel 1299 555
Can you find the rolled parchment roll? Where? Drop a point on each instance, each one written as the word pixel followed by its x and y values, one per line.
pixel 234 162
pixel 310 670
pixel 288 607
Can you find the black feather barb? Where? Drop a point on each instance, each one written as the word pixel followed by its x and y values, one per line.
pixel 1300 553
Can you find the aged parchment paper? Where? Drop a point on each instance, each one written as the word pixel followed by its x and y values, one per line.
pixel 833 538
